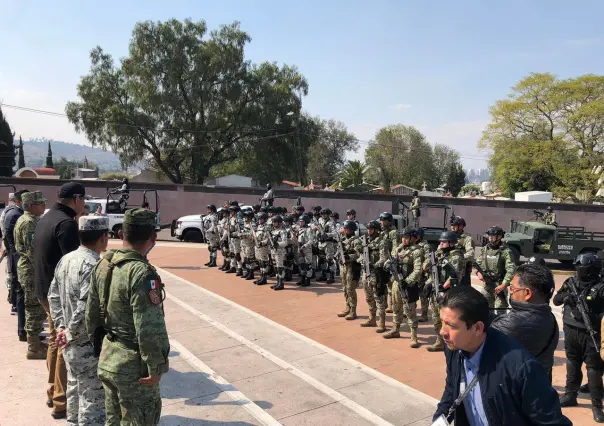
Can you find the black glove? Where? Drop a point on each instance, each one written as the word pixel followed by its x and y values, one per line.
pixel 570 299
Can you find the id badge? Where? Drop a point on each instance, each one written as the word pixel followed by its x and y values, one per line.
pixel 441 421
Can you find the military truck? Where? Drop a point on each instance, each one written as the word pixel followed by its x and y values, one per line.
pixel 431 233
pixel 563 243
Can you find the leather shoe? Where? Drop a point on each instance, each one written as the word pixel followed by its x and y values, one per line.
pixel 59 415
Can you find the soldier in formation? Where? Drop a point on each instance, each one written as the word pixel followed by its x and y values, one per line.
pixel 248 245
pixel 496 266
pixel 466 244
pixel 34 205
pixel 211 233
pixel 262 247
pixel 234 232
pixel 445 273
pixel 351 268
pixel 305 239
pixel 67 297
pixel 135 345
pixel 407 259
pixel 223 232
pixel 376 283
pixel 425 302
pixel 390 240
pixel 278 242
pixel 327 235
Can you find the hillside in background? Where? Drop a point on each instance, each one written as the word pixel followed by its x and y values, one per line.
pixel 35 154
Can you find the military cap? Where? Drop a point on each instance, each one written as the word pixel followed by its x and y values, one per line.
pixel 33 197
pixel 140 217
pixel 93 223
pixel 72 190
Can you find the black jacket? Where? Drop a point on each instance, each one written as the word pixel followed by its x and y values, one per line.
pixel 595 302
pixel 13 213
pixel 514 387
pixel 534 327
pixel 56 235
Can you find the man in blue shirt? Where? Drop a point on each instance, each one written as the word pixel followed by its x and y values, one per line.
pixel 511 387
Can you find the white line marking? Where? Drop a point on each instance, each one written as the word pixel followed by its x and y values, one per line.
pixel 239 398
pixel 337 396
pixel 372 372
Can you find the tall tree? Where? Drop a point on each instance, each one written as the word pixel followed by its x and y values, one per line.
pixel 401 155
pixel 444 157
pixel 187 102
pixel 327 151
pixel 21 162
pixel 456 179
pixel 548 135
pixel 49 162
pixel 352 174
pixel 7 147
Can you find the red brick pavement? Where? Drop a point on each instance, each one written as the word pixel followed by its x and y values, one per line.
pixel 312 312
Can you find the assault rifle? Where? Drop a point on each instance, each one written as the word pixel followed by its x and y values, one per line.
pixel 365 256
pixel 434 275
pixel 340 253
pixel 489 281
pixel 393 265
pixel 582 307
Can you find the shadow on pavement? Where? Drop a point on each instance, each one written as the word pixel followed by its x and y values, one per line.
pixel 172 420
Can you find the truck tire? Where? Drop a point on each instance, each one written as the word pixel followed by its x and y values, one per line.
pixel 192 236
pixel 515 255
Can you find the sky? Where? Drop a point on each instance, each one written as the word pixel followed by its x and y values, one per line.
pixel 437 65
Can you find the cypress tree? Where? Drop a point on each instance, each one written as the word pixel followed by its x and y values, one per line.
pixel 49 163
pixel 21 155
pixel 7 148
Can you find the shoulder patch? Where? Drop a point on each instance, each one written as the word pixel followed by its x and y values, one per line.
pixel 154 293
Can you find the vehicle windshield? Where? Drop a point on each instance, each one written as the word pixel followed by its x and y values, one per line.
pixel 92 207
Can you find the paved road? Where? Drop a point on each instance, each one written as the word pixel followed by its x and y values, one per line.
pixel 243 354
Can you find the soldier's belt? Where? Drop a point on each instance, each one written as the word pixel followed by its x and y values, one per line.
pixel 128 344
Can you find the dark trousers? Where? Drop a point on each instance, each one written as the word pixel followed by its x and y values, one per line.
pixel 580 349
pixel 17 292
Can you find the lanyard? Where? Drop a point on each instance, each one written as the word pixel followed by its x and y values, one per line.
pixel 463 395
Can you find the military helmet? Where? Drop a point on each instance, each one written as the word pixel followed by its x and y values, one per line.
pixel 326 211
pixel 420 233
pixel 262 215
pixel 277 219
pixel 351 212
pixel 263 209
pixel 234 209
pixel 256 207
pixel 448 237
pixel 304 218
pixel 496 230
pixel 537 260
pixel 409 231
pixel 211 207
pixel 415 193
pixel 316 209
pixel 549 208
pixel 270 209
pixel 233 203
pixel 458 220
pixel 588 264
pixel 335 215
pixel 374 224
pixel 299 209
pixel 350 224
pixel 247 213
pixel 288 218
pixel 386 216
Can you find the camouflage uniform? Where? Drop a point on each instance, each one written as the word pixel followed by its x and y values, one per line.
pixel 466 243
pixel 451 265
pixel 261 250
pixel 248 249
pixel 350 275
pixel 67 298
pixel 425 246
pixel 549 218
pixel 234 230
pixel 497 263
pixel 34 312
pixel 210 230
pixel 327 243
pixel 416 205
pixel 410 258
pixel 278 253
pixel 305 239
pixel 136 344
pixel 223 233
pixel 376 284
pixel 390 238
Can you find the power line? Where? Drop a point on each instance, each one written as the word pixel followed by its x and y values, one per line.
pixel 360 142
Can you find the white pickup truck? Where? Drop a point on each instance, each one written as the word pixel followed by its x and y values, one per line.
pixel 188 228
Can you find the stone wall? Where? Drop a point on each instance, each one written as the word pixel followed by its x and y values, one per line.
pixel 180 200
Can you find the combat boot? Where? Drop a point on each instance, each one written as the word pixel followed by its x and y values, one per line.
pixel 250 275
pixel 224 266
pixel 352 315
pixel 394 333
pixel 414 343
pixel 280 285
pixel 322 278
pixel 345 312
pixel 262 279
pixel 212 263
pixel 596 409
pixel 569 399
pixel 232 269
pixel 381 324
pixel 438 346
pixel 584 388
pixel 239 272
pixel 370 322
pixel 288 275
pixel 244 273
pixel 424 316
pixel 330 278
pixel 306 282
pixel 35 348
pixel 207 263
